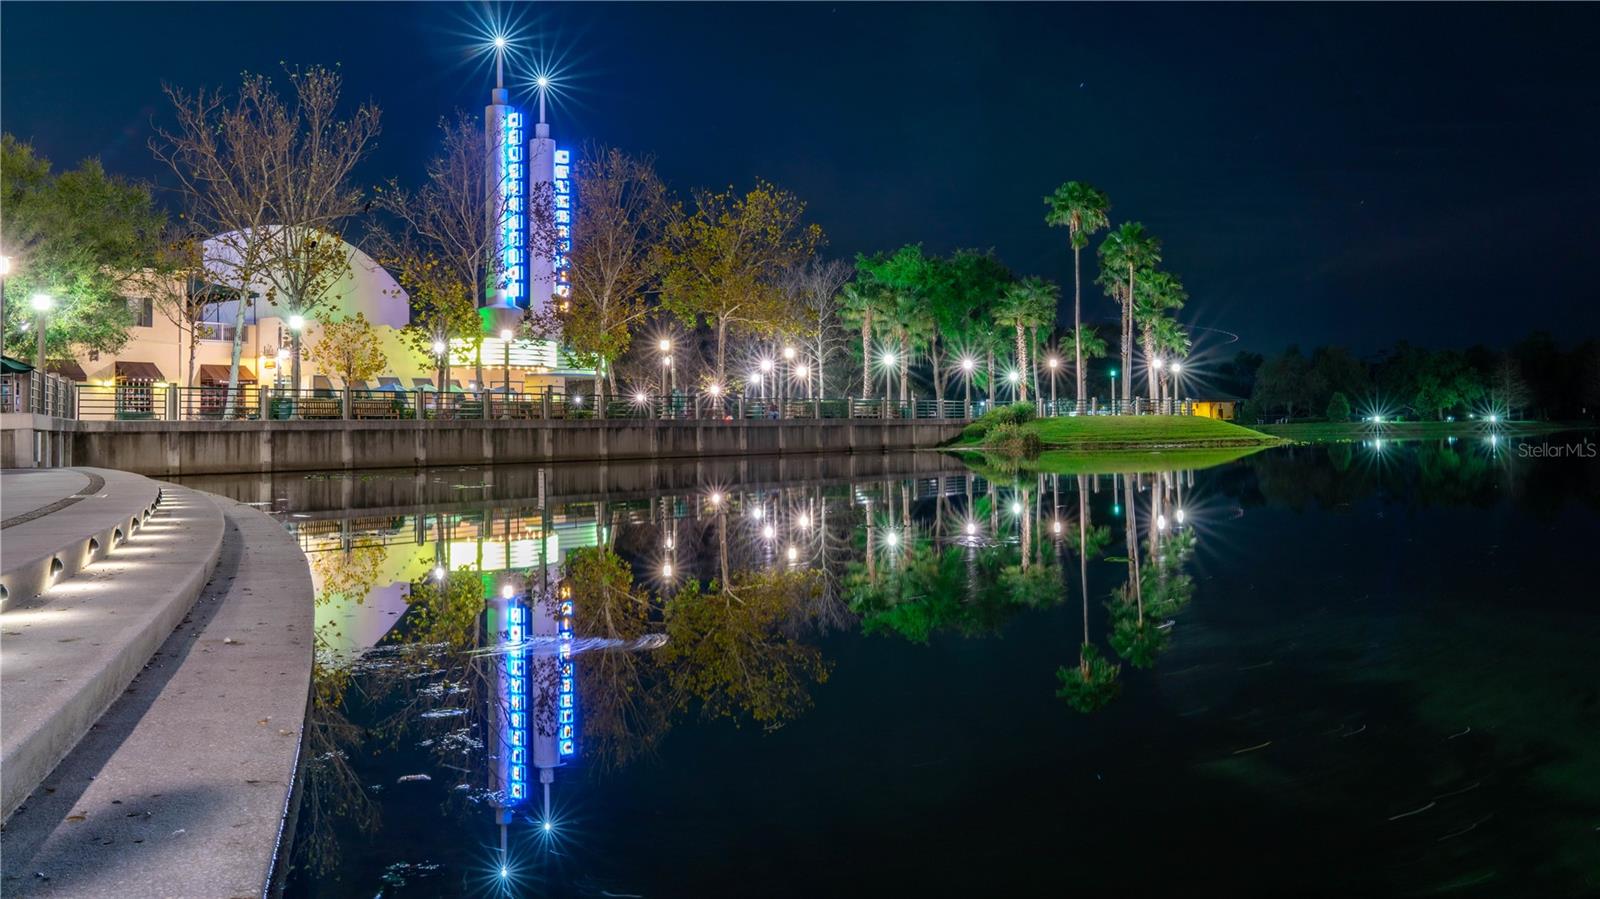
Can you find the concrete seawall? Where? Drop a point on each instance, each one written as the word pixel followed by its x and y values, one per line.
pixel 168 449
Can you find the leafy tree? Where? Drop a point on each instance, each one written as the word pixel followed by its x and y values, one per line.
pixel 864 304
pixel 271 181
pixel 80 236
pixel 1124 253
pixel 904 277
pixel 722 261
pixel 1339 407
pixel 1160 294
pixel 624 714
pixel 614 257
pixel 1282 382
pixel 815 286
pixel 349 348
pixel 1082 210
pixel 1027 304
pixel 439 247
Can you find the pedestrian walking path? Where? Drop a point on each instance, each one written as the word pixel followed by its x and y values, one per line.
pixel 152 702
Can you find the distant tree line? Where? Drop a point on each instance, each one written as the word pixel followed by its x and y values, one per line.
pixel 1534 378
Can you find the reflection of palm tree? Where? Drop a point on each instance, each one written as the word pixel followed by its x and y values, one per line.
pixel 1094 682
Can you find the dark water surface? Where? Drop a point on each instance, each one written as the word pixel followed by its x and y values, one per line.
pixel 1358 670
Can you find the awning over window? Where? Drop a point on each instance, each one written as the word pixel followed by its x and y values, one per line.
pixel 70 370
pixel 138 373
pixel 218 374
pixel 321 382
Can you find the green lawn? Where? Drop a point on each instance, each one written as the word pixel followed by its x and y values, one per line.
pixel 1338 431
pixel 1135 432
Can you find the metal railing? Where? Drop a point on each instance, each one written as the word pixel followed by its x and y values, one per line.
pixel 38 392
pixel 164 402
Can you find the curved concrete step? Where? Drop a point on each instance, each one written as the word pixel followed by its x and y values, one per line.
pixel 69 652
pixel 58 522
pixel 183 786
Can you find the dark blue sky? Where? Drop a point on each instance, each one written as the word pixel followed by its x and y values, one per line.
pixel 1351 173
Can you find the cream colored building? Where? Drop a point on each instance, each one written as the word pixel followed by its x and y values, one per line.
pixel 157 352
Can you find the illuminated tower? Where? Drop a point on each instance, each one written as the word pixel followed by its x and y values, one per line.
pixel 506 296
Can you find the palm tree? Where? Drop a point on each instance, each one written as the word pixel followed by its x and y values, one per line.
pixel 1084 343
pixel 861 303
pixel 1027 304
pixel 1129 249
pixel 1169 338
pixel 1159 293
pixel 910 329
pixel 1082 210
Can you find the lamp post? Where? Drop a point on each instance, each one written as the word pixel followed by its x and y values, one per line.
pixel 668 370
pixel 1113 391
pixel 788 371
pixel 439 348
pixel 297 323
pixel 42 304
pixel 803 372
pixel 767 365
pixel 968 365
pixel 1175 369
pixel 1015 377
pixel 888 378
pixel 505 343
pixel 1054 364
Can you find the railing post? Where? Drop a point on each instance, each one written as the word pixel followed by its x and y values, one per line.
pixel 544 403
pixel 170 400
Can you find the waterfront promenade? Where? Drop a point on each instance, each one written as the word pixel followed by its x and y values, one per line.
pixel 153 685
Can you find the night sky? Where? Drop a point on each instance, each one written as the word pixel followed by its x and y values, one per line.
pixel 1352 174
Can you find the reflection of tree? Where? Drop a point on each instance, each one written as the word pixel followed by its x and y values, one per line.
pixel 331 790
pixel 1093 684
pixel 625 711
pixel 727 649
pixel 352 572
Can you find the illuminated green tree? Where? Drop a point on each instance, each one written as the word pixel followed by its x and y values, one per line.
pixel 1082 210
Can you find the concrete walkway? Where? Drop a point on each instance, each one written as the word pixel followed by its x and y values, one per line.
pixel 182 786
pixel 23 491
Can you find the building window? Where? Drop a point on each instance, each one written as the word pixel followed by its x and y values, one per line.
pixel 144 312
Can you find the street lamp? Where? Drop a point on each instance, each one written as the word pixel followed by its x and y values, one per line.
pixel 505 343
pixel 888 377
pixel 968 365
pixel 1113 391
pixel 767 365
pixel 1015 378
pixel 1054 363
pixel 671 378
pixel 1175 368
pixel 42 303
pixel 297 323
pixel 788 366
pixel 438 352
pixel 803 372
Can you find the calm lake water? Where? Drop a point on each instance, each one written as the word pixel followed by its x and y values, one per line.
pixel 1365 669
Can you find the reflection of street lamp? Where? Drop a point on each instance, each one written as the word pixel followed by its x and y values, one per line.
pixel 297 323
pixel 42 303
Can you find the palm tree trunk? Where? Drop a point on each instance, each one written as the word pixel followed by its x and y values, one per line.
pixel 1127 338
pixel 1022 365
pixel 1077 318
pixel 1149 341
pixel 866 356
pixel 1033 359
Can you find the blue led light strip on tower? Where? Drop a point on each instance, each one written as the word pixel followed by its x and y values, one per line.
pixel 513 230
pixel 566 208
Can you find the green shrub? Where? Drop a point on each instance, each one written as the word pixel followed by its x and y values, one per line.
pixel 1338 407
pixel 1010 439
pixel 1014 414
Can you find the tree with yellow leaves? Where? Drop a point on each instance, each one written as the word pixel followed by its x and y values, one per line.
pixel 349 348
